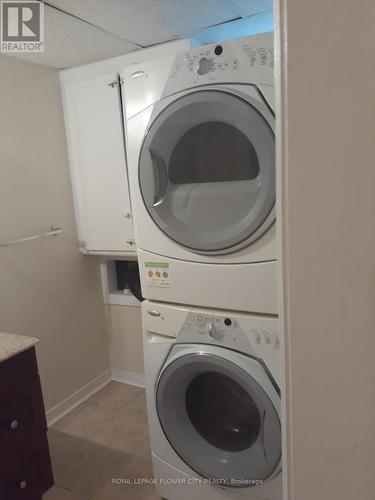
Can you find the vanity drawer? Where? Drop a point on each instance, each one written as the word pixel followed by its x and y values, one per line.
pixel 21 414
pixel 28 474
pixel 25 464
pixel 17 370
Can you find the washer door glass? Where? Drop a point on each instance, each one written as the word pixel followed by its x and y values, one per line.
pixel 219 420
pixel 207 171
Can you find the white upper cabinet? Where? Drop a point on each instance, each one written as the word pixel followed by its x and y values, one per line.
pixel 96 146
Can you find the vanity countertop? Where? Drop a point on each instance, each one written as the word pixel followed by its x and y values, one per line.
pixel 12 344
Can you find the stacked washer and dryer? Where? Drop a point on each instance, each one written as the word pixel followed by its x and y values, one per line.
pixel 201 161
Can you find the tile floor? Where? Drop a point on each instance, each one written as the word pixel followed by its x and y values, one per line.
pixel 105 437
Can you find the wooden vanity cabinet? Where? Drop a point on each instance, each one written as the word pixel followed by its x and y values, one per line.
pixel 25 464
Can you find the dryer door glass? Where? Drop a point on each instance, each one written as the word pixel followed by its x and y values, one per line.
pixel 219 420
pixel 207 170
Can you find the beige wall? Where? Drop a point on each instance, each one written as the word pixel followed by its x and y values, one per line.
pixel 328 207
pixel 47 289
pixel 125 338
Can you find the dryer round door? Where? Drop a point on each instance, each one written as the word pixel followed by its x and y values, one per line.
pixel 207 170
pixel 219 418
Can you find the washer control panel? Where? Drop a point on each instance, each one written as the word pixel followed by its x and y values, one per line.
pixel 246 334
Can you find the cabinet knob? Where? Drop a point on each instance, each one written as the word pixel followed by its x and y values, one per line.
pixel 128 215
pixel 14 424
pixel 23 485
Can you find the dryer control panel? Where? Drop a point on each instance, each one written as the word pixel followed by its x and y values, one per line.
pixel 205 61
pixel 223 58
pixel 244 60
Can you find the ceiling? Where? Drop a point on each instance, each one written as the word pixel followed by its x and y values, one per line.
pixel 82 31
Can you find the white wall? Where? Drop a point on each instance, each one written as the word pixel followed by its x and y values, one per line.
pixel 47 289
pixel 328 232
pixel 125 338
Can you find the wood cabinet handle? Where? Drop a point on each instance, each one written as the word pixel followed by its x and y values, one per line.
pixel 23 485
pixel 14 424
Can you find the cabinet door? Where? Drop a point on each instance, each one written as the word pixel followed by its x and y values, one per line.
pixel 98 166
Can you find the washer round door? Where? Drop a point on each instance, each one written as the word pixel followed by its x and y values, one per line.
pixel 219 418
pixel 207 170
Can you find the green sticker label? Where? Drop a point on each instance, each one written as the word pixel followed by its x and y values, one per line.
pixel 157 265
pixel 157 274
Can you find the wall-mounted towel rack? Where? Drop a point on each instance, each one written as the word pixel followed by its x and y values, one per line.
pixel 54 231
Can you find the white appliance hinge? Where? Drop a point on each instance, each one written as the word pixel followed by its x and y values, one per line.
pixel 82 246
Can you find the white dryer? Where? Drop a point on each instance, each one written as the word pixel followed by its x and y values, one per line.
pixel 201 161
pixel 213 402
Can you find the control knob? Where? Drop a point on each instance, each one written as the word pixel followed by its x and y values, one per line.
pixel 215 332
pixel 204 66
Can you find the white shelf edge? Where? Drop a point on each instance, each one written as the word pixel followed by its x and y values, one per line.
pixel 122 299
pixel 129 255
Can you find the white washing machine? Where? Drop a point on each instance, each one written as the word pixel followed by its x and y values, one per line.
pixel 213 402
pixel 201 161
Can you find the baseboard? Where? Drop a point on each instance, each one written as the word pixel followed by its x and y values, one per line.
pixel 130 378
pixel 78 397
